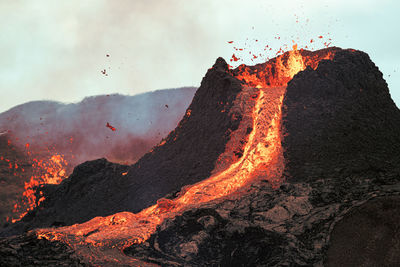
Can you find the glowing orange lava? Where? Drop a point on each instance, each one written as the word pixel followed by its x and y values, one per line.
pixel 280 70
pixel 108 125
pixel 50 171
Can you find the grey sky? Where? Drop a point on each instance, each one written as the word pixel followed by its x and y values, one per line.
pixel 56 50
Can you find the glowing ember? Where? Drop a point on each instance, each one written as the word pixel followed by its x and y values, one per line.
pixel 234 58
pixel 108 125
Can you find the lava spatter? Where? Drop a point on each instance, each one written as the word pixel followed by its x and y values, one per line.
pixel 45 171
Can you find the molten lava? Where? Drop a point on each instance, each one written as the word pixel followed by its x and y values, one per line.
pixel 261 158
pixel 46 171
pixel 280 70
pixel 32 169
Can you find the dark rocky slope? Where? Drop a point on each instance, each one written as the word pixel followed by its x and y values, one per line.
pixel 375 240
pixel 340 120
pixel 27 250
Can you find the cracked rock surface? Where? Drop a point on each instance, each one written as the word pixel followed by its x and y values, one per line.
pixel 288 226
pixel 27 250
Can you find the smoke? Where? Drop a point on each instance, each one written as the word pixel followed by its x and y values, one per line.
pixel 54 50
pixel 57 51
pixel 79 131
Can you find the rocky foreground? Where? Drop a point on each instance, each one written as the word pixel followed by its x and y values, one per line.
pixel 27 250
pixel 324 223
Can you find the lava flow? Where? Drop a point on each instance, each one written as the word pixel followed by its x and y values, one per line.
pixel 260 102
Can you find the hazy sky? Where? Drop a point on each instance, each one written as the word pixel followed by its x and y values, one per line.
pixel 56 50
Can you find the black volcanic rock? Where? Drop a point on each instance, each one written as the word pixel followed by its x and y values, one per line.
pixel 288 226
pixel 27 250
pixel 375 240
pixel 202 237
pixel 340 119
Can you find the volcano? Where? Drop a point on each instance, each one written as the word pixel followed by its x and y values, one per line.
pixel 267 160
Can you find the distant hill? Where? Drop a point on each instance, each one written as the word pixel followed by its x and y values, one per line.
pixel 79 130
